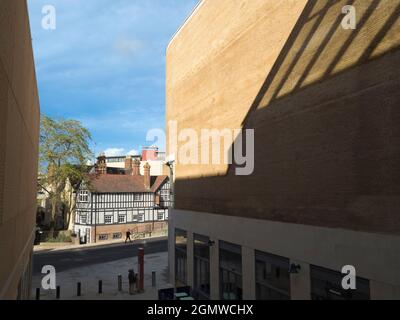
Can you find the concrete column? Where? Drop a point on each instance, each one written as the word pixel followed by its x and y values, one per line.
pixel 249 273
pixel 300 283
pixel 383 291
pixel 214 270
pixel 190 259
pixel 171 248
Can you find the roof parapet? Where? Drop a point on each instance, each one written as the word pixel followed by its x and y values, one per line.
pixel 194 11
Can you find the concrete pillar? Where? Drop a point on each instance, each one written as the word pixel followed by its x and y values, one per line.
pixel 383 291
pixel 249 273
pixel 171 248
pixel 300 283
pixel 214 270
pixel 190 259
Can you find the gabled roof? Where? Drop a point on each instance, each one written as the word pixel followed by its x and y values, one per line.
pixel 115 183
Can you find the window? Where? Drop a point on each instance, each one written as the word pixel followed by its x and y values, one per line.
pixel 160 215
pixel 83 196
pixel 230 263
pixel 327 285
pixel 165 195
pixel 272 277
pixel 201 274
pixel 108 219
pixel 121 218
pixel 180 257
pixel 141 217
pixel 117 235
pixel 103 236
pixel 138 197
pixel 115 160
pixel 83 219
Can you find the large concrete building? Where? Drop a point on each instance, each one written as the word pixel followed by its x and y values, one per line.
pixel 19 135
pixel 323 101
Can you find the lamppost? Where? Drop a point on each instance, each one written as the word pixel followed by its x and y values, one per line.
pixel 170 164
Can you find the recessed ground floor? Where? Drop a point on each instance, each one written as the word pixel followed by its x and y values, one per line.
pixel 233 258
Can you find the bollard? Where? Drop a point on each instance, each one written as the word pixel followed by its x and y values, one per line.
pixel 37 293
pixel 137 282
pixel 141 269
pixel 100 286
pixel 78 289
pixel 153 279
pixel 119 283
pixel 58 292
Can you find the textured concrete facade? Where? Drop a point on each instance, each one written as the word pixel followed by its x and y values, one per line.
pixel 19 140
pixel 323 102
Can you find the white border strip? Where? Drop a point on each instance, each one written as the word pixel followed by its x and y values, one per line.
pixel 194 11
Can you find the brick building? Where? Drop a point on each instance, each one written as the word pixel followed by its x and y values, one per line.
pixel 150 155
pixel 116 201
pixel 325 193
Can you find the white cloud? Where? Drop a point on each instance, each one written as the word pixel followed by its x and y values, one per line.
pixel 128 47
pixel 117 152
pixel 114 152
pixel 133 153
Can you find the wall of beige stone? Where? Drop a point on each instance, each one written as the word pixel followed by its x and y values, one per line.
pixel 19 134
pixel 323 102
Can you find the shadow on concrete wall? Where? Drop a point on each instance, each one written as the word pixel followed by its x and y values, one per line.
pixel 327 149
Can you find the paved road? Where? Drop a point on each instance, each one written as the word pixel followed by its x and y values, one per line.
pixel 65 260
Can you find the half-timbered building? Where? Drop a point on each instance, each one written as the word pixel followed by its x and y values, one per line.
pixel 111 204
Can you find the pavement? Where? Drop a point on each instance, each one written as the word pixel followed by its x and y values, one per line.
pixel 69 258
pixel 89 276
pixel 58 246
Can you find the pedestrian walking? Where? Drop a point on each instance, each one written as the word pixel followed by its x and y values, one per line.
pixel 128 236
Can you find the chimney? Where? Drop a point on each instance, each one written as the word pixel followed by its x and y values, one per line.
pixel 128 165
pixel 136 168
pixel 147 175
pixel 150 153
pixel 101 165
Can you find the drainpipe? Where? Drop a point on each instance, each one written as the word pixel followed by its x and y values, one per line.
pixel 95 219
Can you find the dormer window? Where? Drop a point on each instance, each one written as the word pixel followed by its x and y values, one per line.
pixel 83 196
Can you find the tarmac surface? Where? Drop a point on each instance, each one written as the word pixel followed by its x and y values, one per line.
pixel 67 259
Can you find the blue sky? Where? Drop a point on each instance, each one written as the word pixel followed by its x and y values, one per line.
pixel 104 65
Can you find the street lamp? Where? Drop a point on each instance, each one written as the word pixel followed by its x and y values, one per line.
pixel 170 164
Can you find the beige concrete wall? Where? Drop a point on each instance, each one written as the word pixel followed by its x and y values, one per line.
pixel 19 134
pixel 375 257
pixel 323 102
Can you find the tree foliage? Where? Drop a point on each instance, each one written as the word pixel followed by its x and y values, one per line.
pixel 64 153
